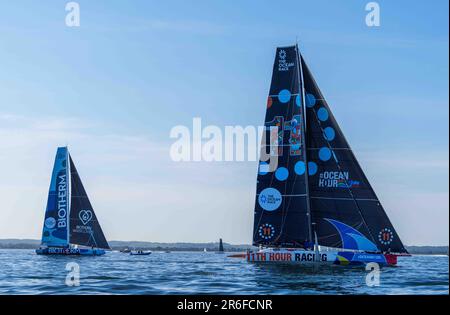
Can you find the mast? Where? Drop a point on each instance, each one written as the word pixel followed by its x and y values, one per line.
pixel 303 109
pixel 69 194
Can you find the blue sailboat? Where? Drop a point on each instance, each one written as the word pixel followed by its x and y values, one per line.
pixel 70 224
pixel 314 203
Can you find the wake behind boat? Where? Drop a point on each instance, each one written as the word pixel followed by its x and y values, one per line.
pixel 70 225
pixel 311 192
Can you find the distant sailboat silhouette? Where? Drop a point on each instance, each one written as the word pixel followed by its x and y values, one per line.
pixel 70 225
pixel 221 250
pixel 316 195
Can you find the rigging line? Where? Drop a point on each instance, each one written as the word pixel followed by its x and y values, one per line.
pixel 338 198
pixel 305 156
pixel 290 195
pixel 341 149
pixel 292 94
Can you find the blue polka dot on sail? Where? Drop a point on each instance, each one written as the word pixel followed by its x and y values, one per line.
pixel 329 133
pixel 282 173
pixel 312 168
pixel 322 113
pixel 310 100
pixel 263 168
pixel 324 154
pixel 298 101
pixel 299 168
pixel 284 96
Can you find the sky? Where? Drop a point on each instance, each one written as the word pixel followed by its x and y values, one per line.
pixel 113 88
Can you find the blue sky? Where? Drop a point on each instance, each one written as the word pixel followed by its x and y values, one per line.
pixel 114 87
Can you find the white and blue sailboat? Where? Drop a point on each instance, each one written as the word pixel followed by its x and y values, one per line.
pixel 70 225
pixel 314 203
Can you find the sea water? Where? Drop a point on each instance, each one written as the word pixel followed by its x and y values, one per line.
pixel 24 272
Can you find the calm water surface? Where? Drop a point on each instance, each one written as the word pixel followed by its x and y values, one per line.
pixel 23 272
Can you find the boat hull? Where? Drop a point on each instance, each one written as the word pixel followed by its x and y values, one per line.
pixel 70 251
pixel 305 257
pixel 140 254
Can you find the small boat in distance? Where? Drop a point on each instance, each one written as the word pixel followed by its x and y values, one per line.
pixel 140 252
pixel 221 250
pixel 314 204
pixel 70 225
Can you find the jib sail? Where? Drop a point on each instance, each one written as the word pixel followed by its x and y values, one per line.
pixel 345 209
pixel 85 229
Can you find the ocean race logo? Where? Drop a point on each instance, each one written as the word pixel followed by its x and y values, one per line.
pixel 270 199
pixel 283 65
pixel 334 179
pixel 62 201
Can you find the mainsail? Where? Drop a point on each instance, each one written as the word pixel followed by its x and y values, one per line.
pixel 220 245
pixel 55 230
pixel 281 207
pixel 321 189
pixel 85 229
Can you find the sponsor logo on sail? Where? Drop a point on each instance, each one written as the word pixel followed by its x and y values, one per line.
pixel 85 216
pixel 62 201
pixel 386 236
pixel 335 179
pixel 50 222
pixel 266 231
pixel 283 64
pixel 270 199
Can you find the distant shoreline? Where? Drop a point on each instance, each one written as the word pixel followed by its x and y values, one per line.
pixel 192 247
